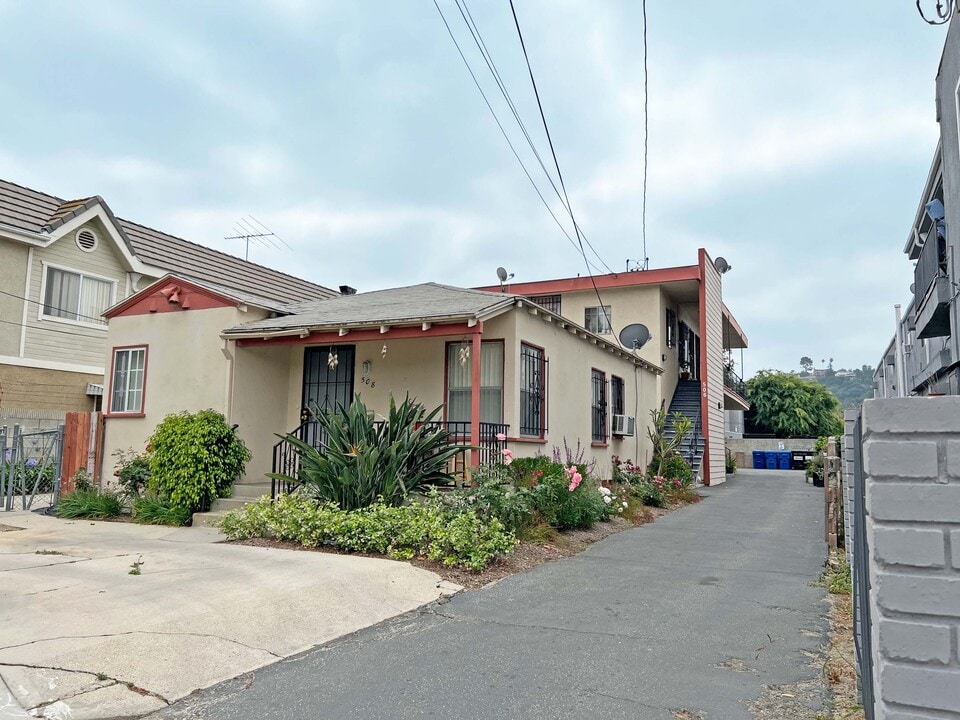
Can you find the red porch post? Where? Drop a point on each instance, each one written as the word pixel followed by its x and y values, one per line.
pixel 475 401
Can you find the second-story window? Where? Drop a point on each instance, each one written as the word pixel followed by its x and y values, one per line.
pixel 598 320
pixel 75 296
pixel 548 302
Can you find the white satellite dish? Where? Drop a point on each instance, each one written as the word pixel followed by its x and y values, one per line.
pixel 634 336
pixel 722 265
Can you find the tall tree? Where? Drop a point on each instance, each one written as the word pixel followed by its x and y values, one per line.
pixel 789 406
pixel 806 363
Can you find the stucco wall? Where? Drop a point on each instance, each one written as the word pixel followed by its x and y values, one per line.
pixel 186 369
pixel 13 272
pixel 911 460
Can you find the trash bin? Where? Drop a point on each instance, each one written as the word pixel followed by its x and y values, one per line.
pixel 759 461
pixel 799 459
pixel 771 459
pixel 785 459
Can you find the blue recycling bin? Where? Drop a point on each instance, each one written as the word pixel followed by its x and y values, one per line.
pixel 786 459
pixel 759 461
pixel 772 456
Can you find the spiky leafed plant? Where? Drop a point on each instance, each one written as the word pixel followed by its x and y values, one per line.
pixel 365 459
pixel 666 449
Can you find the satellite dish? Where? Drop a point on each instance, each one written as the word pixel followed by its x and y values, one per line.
pixel 502 274
pixel 913 288
pixel 722 265
pixel 634 336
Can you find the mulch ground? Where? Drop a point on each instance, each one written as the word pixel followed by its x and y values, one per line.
pixel 524 556
pixel 840 668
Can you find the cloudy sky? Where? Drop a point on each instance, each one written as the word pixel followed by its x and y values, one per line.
pixel 791 138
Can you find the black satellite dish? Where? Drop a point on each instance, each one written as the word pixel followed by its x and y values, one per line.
pixel 634 336
pixel 722 265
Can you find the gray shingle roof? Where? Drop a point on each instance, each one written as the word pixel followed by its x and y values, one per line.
pixel 35 212
pixel 429 302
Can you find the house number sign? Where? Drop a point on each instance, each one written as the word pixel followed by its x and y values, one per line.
pixel 367 381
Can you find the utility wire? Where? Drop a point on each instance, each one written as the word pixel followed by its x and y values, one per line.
pixel 492 66
pixel 98 320
pixel 556 162
pixel 505 135
pixel 44 329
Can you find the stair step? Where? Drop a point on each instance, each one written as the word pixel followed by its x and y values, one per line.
pixel 252 491
pixel 226 504
pixel 207 519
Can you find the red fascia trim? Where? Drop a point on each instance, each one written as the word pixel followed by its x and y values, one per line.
pixel 355 336
pixel 704 353
pixel 613 280
pixel 129 306
pixel 735 325
pixel 143 398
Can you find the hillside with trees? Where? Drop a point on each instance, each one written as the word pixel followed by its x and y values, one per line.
pixel 850 387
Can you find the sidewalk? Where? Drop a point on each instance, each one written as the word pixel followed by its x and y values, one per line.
pixel 82 637
pixel 710 612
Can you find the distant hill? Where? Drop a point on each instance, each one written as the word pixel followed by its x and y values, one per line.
pixel 850 387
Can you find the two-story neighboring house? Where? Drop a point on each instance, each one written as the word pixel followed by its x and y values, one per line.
pixel 63 263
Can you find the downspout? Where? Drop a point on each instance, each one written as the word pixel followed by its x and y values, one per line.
pixel 704 354
pixel 475 349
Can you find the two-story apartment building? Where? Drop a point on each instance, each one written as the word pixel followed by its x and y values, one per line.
pixel 63 263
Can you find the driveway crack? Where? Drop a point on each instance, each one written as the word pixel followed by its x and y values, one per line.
pixel 533 626
pixel 129 685
pixel 139 632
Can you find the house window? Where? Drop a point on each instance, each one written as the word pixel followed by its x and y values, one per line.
pixel 459 382
pixel 129 371
pixel 599 407
pixel 74 296
pixel 671 328
pixel 533 391
pixel 547 302
pixel 616 395
pixel 598 320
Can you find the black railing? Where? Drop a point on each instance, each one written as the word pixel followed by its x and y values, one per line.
pixel 931 264
pixel 286 458
pixel 734 382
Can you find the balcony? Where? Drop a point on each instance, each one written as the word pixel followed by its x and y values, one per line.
pixel 734 391
pixel 932 290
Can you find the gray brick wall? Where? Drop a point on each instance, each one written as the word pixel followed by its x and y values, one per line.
pixel 911 456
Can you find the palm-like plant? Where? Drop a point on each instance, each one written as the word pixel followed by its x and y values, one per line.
pixel 365 459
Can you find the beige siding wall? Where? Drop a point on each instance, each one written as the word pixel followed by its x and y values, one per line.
pixel 186 370
pixel 712 385
pixel 13 272
pixel 62 340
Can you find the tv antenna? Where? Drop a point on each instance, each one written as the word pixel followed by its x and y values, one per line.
pixel 250 229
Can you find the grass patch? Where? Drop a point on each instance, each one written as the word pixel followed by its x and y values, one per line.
pixel 89 504
pixel 836 578
pixel 150 510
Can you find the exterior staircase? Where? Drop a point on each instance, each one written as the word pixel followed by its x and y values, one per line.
pixel 686 401
pixel 244 492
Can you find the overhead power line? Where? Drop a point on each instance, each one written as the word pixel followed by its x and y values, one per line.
pixel 646 140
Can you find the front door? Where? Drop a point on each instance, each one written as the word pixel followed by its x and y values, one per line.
pixel 327 380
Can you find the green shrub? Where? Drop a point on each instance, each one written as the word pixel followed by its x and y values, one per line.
pixel 195 459
pixel 151 510
pixel 29 474
pixel 731 462
pixel 132 473
pixel 495 496
pixel 427 529
pixel 365 461
pixel 675 467
pixel 90 504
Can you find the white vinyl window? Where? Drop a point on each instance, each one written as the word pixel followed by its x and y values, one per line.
pixel 459 382
pixel 129 370
pixel 598 320
pixel 73 296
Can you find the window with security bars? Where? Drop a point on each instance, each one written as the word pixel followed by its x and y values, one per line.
pixel 547 302
pixel 129 371
pixel 460 382
pixel 616 395
pixel 598 320
pixel 533 391
pixel 599 406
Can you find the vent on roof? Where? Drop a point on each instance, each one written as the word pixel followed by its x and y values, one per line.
pixel 87 240
pixel 347 290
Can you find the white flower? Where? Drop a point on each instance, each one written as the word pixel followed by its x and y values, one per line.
pixel 605 491
pixel 625 504
pixel 606 499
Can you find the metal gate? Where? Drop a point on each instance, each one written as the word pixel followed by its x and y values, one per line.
pixel 30 465
pixel 861 577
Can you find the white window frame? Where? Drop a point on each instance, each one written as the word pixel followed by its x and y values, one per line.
pixel 45 268
pixel 604 319
pixel 126 392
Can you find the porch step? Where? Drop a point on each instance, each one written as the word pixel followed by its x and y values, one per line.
pixel 251 490
pixel 207 519
pixel 231 503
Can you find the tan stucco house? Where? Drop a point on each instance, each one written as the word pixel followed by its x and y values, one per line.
pixel 62 263
pixel 498 363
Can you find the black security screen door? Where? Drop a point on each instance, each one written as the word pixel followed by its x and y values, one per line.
pixel 330 388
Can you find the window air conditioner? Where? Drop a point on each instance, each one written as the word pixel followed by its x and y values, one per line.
pixel 623 425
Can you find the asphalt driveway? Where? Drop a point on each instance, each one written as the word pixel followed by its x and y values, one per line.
pixel 711 612
pixel 81 637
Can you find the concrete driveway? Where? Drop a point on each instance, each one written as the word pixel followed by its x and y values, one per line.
pixel 81 637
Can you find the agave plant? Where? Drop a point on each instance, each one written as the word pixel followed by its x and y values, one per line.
pixel 365 459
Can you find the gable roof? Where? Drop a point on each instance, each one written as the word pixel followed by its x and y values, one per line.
pixel 415 304
pixel 37 213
